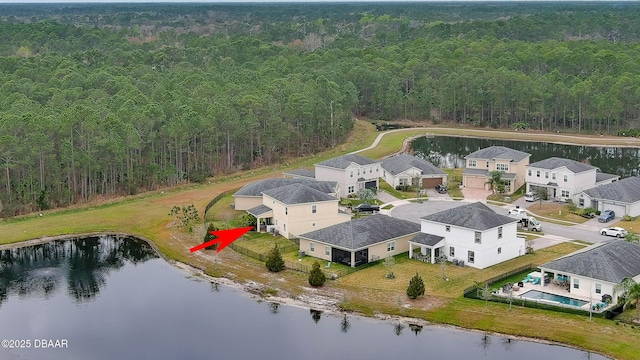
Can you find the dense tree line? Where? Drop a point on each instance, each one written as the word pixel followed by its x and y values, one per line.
pixel 112 100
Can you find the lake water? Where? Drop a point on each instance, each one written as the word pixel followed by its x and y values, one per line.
pixel 116 299
pixel 449 152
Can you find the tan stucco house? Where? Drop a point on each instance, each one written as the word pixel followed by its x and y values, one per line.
pixel 361 240
pixel 294 209
pixel 480 164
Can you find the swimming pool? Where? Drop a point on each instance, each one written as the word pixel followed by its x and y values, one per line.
pixel 539 295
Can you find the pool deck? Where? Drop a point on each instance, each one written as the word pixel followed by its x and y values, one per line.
pixel 552 288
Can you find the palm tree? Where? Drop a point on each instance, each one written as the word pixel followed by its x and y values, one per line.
pixel 629 290
pixel 496 180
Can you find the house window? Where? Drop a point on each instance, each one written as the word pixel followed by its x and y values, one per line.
pixel 376 169
pixel 529 172
pixel 499 234
pixel 478 237
pixel 284 227
pixel 286 211
pixel 314 209
pixel 313 224
pixel 581 202
pixel 566 178
pixel 472 163
pixel 358 171
pixel 537 173
pixel 598 288
pixel 327 250
pixel 391 245
pixel 350 189
pixel 351 173
pixel 553 176
pixel 452 251
pixel 471 257
pixel 499 250
pixel 447 228
pixel 502 167
pixel 312 247
pixel 576 283
pixel 370 170
pixel 565 193
pixel 546 174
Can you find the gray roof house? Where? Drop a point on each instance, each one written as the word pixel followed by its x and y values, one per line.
pixel 471 234
pixel 402 169
pixel 360 241
pixel 298 194
pixel 622 196
pixel 352 172
pixel 479 165
pixel 564 179
pixel 594 271
pixel 250 195
pixel 300 174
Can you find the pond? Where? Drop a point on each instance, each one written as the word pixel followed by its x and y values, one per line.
pixel 113 298
pixel 449 152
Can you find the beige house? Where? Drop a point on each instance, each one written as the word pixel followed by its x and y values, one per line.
pixel 295 209
pixel 360 241
pixel 479 165
pixel 250 195
pixel 404 169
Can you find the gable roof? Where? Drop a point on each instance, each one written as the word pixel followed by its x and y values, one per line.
pixel 259 210
pixel 625 190
pixel 399 163
pixel 610 261
pixel 310 174
pixel 556 162
pixel 343 162
pixel 363 232
pixel 475 216
pixel 499 153
pixel 427 239
pixel 298 194
pixel 256 188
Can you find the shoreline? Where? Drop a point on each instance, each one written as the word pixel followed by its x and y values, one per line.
pixel 256 290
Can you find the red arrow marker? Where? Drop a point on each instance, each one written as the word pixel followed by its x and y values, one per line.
pixel 225 237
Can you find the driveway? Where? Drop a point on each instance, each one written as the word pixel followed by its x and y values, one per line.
pixel 475 194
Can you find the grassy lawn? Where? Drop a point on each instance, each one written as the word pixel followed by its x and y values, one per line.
pixel 631 226
pixel 263 242
pixel 402 195
pixel 391 143
pixel 556 211
pixel 368 291
pixel 454 180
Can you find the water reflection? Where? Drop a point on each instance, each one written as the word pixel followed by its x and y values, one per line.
pixel 415 328
pixel 315 315
pixel 344 324
pixel 38 271
pixel 449 152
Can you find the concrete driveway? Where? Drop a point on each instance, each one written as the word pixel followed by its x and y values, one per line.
pixel 476 194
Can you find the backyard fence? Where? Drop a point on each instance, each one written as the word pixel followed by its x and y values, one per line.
pixel 215 200
pixel 468 291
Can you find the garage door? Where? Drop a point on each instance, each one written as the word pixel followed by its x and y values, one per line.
pixel 474 182
pixel 619 210
pixel 430 183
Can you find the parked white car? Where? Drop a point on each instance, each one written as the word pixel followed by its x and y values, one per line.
pixel 614 231
pixel 518 213
pixel 531 197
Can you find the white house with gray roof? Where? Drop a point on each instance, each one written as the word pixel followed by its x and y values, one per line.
pixel 473 234
pixel 361 240
pixel 594 271
pixel 352 172
pixel 622 196
pixel 479 165
pixel 564 179
pixel 250 195
pixel 295 209
pixel 401 169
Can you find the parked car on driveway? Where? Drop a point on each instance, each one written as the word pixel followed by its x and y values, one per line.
pixel 367 208
pixel 614 231
pixel 606 215
pixel 531 197
pixel 441 188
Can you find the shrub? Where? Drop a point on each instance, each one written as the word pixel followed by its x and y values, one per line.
pixel 274 261
pixel 628 218
pixel 208 236
pixel 316 276
pixel 416 287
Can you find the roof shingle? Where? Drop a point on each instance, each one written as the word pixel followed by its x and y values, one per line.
pixel 343 162
pixel 476 216
pixel 625 190
pixel 499 153
pixel 399 163
pixel 256 188
pixel 556 162
pixel 298 194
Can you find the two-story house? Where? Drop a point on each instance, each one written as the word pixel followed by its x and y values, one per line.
pixel 402 169
pixel 564 179
pixel 352 173
pixel 250 195
pixel 473 234
pixel 480 164
pixel 295 209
